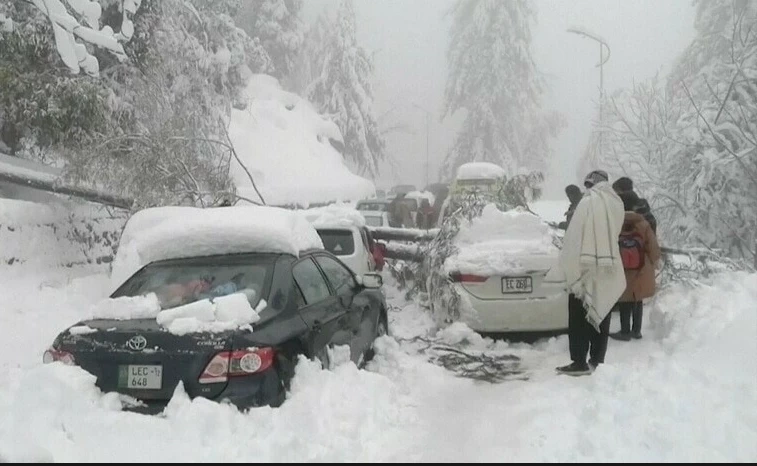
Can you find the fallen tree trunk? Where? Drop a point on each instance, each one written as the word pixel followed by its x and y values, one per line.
pixel 403 252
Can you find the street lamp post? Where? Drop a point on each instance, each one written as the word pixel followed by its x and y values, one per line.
pixel 428 120
pixel 602 60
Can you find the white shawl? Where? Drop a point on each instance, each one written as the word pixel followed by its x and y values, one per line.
pixel 590 266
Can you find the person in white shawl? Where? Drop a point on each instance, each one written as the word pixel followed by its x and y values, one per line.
pixel 592 271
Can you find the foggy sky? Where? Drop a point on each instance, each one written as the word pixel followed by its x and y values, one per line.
pixel 409 39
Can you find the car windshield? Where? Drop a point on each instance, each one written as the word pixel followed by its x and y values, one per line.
pixel 177 283
pixel 337 242
pixel 374 221
pixel 372 206
pixel 411 203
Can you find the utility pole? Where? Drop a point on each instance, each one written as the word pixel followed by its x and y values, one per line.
pixel 428 125
pixel 602 60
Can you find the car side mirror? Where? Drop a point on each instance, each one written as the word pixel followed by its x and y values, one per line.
pixel 371 280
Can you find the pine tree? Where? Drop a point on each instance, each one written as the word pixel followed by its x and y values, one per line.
pixel 493 78
pixel 277 25
pixel 342 89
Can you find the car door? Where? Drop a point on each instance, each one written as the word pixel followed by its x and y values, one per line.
pixel 363 317
pixel 320 308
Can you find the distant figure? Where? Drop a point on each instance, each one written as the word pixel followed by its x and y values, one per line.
pixel 574 196
pixel 425 215
pixel 625 185
pixel 400 215
pixel 591 269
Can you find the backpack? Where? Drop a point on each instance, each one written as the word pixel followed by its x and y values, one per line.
pixel 631 246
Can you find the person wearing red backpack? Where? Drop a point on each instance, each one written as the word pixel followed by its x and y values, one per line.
pixel 640 254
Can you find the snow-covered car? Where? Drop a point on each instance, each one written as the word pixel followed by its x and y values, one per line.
pixel 344 233
pixel 372 205
pixel 375 218
pixel 482 178
pixel 498 272
pixel 222 301
pixel 350 244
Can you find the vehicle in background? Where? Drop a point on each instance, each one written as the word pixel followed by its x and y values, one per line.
pixel 372 205
pixel 482 178
pixel 350 244
pixel 375 218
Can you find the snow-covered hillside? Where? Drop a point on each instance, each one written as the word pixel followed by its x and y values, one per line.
pixel 285 145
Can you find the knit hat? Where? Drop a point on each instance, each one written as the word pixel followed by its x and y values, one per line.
pixel 597 176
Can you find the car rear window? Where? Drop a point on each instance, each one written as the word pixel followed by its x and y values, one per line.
pixel 338 242
pixel 374 206
pixel 177 283
pixel 374 220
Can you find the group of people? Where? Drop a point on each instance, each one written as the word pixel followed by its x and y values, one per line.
pixel 608 261
pixel 401 216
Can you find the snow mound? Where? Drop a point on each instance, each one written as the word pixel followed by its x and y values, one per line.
pixel 503 243
pixel 177 232
pixel 334 215
pixel 285 144
pixel 126 307
pixel 479 170
pixel 224 313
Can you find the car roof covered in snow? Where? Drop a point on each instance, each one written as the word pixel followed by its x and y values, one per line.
pixel 479 170
pixel 162 233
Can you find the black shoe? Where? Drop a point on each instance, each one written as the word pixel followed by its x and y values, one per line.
pixel 622 336
pixel 575 368
pixel 636 335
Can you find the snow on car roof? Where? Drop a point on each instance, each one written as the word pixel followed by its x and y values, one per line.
pixel 503 242
pixel 479 170
pixel 162 233
pixel 334 215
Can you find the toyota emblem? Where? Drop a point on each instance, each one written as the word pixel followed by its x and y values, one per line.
pixel 137 343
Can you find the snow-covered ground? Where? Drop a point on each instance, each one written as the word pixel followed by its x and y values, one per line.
pixel 686 392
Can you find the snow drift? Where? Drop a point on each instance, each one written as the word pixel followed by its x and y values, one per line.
pixel 285 145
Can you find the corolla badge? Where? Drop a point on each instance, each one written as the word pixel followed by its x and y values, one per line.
pixel 137 343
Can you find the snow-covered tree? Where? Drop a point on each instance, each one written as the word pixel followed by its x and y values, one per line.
pixel 493 78
pixel 342 90
pixel 277 25
pixel 691 145
pixel 80 19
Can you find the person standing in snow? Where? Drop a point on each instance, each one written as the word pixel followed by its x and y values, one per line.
pixel 625 185
pixel 640 273
pixel 591 269
pixel 574 196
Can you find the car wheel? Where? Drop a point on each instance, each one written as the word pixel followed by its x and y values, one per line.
pixel 382 329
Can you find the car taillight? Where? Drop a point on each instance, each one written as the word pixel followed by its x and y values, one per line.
pixel 467 278
pixel 237 363
pixel 52 355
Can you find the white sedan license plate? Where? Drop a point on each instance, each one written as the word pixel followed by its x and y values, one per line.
pixel 140 377
pixel 517 285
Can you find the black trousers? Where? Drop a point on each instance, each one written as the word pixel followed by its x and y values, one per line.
pixel 628 310
pixel 583 338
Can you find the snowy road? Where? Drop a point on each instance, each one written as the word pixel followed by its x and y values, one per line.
pixel 686 392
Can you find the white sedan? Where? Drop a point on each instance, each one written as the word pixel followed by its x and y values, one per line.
pixel 498 271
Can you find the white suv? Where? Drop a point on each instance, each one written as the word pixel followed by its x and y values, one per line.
pixel 350 244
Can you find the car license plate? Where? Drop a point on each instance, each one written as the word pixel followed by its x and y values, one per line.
pixel 517 285
pixel 140 377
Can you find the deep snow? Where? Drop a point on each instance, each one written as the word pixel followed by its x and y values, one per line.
pixel 685 392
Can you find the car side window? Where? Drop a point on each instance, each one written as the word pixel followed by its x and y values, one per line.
pixel 310 281
pixel 339 276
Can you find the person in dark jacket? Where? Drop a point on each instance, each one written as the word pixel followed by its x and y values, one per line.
pixel 574 196
pixel 625 185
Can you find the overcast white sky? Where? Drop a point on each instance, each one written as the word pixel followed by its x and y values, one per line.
pixel 410 37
